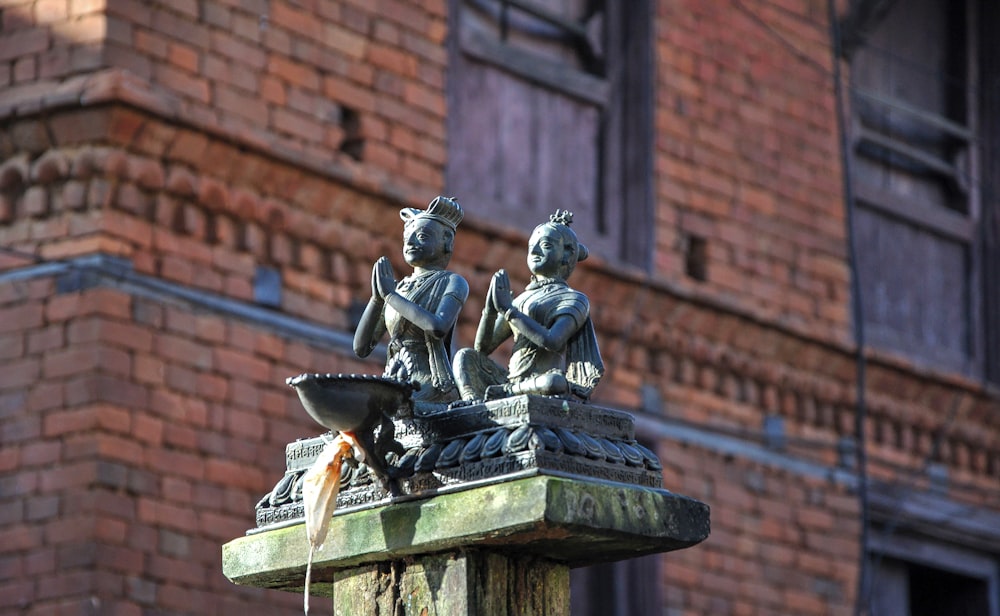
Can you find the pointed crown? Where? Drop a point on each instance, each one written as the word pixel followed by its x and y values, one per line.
pixel 444 210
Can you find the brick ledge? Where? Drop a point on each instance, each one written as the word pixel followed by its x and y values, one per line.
pixel 114 85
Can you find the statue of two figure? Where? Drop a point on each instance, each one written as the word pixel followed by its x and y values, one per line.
pixel 554 350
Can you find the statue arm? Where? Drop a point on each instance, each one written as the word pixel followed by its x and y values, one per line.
pixel 443 319
pixel 552 338
pixel 370 328
pixel 492 331
pixel 372 324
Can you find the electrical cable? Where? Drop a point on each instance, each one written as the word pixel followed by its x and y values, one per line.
pixel 948 78
pixel 857 315
pixel 987 220
pixel 897 516
pixel 795 51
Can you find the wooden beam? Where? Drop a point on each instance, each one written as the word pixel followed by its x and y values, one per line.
pixel 861 20
pixel 538 70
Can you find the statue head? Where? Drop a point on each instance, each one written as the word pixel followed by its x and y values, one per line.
pixel 554 250
pixel 429 235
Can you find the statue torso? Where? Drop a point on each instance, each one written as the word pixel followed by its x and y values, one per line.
pixel 409 354
pixel 544 304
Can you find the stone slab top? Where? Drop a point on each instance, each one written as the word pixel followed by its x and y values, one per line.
pixel 574 521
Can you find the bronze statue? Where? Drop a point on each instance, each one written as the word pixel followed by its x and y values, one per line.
pixel 419 312
pixel 555 349
pixel 445 439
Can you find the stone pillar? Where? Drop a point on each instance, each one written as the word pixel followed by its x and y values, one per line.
pixel 463 582
pixel 498 549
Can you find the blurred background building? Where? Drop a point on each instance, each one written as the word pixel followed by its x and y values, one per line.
pixel 792 209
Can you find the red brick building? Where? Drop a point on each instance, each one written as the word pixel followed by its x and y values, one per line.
pixel 192 195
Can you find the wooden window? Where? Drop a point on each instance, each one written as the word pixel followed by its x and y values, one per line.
pixel 924 202
pixel 915 577
pixel 550 106
pixel 622 588
pixel 989 128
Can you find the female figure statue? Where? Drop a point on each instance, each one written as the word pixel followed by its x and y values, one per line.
pixel 420 311
pixel 555 349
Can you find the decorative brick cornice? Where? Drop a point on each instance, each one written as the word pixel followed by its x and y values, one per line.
pixel 201 211
pixel 118 87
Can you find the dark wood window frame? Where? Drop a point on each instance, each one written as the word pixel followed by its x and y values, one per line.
pixel 901 561
pixel 989 64
pixel 927 531
pixel 967 165
pixel 527 65
pixel 619 225
pixel 623 588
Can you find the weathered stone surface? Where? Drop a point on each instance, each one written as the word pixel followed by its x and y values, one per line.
pixel 464 582
pixel 568 521
pixel 493 503
pixel 480 443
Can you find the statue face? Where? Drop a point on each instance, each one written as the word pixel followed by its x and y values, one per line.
pixel 424 244
pixel 546 252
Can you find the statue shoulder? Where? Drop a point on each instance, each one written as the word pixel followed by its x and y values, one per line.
pixel 573 303
pixel 576 299
pixel 456 286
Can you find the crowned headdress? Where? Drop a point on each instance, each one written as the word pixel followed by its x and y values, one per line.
pixel 444 210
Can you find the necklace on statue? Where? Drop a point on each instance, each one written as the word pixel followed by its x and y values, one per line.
pixel 538 283
pixel 414 281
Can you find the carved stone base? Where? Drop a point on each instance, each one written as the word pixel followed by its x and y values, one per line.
pixel 474 445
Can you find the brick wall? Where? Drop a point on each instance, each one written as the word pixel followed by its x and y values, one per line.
pixel 329 81
pixel 142 404
pixel 139 431
pixel 748 158
pixel 781 543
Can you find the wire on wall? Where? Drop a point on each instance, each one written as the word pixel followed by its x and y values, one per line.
pixel 857 316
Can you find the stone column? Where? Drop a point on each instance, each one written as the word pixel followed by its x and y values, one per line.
pixel 499 549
